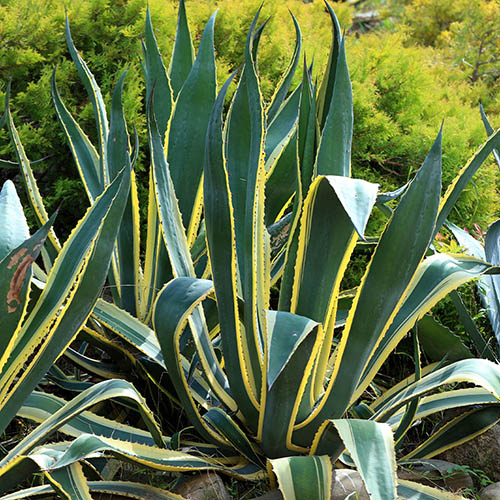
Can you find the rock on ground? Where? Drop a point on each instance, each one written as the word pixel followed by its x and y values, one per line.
pixel 490 492
pixel 435 473
pixel 482 452
pixel 206 486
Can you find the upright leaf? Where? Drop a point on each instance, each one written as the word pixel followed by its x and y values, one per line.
pixel 94 93
pixel 127 243
pixel 183 54
pixel 303 165
pixel 167 207
pixel 156 78
pixel 188 128
pixel 245 135
pixel 3 118
pixel 306 130
pixel 464 176
pixel 30 183
pixel 334 152
pixel 83 151
pixel 281 129
pixel 439 342
pixel 220 235
pixel 286 80
pixel 489 131
pixel 326 89
pixel 492 253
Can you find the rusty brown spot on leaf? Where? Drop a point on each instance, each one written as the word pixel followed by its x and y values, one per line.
pixel 17 281
pixel 16 258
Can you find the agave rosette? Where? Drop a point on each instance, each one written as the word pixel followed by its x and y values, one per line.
pixel 264 213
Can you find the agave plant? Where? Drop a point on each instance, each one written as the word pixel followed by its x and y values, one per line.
pixel 270 360
pixel 285 376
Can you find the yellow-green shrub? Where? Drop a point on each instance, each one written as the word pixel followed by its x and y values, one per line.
pixel 466 31
pixel 427 19
pixel 400 94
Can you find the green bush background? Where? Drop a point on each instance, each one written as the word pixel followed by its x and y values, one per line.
pixel 402 91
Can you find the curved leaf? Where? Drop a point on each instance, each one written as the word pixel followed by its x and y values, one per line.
pixel 415 491
pixel 382 289
pixel 371 447
pixel 15 285
pixel 225 426
pixel 156 458
pixel 40 406
pixel 129 328
pixel 173 308
pixel 67 299
pixel 445 401
pixel 124 488
pixel 475 371
pixel 69 482
pixel 435 278
pixel 293 345
pixel 458 431
pixel 99 392
pixel 304 477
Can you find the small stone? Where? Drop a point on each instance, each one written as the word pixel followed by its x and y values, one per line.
pixel 206 486
pixel 346 482
pixel 437 473
pixel 490 492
